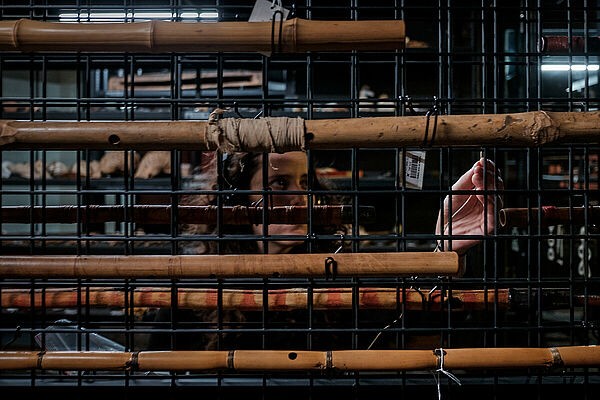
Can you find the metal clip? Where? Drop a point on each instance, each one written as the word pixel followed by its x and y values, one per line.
pixel 330 268
pixel 434 110
pixel 279 45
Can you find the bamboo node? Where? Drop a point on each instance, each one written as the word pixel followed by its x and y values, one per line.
pixel 544 129
pixel 15 37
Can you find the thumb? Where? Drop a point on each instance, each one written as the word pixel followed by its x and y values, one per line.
pixel 465 182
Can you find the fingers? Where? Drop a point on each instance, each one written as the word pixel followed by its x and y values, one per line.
pixel 493 179
pixel 465 182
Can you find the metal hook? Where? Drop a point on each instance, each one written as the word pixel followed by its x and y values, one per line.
pixel 236 111
pixel 279 45
pixel 330 268
pixel 408 104
pixel 434 110
pixel 423 297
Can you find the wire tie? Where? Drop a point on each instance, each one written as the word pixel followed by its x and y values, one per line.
pixel 330 268
pixel 341 244
pixel 557 360
pixel 230 358
pixel 133 364
pixel 429 294
pixel 440 355
pixel 385 328
pixel 40 359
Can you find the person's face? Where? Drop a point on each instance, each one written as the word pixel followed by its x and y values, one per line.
pixel 287 171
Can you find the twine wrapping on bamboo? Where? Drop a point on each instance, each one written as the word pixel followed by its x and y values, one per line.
pixel 550 215
pixel 221 266
pixel 298 35
pixel 290 360
pixel 278 135
pixel 161 214
pixel 520 129
pixel 252 300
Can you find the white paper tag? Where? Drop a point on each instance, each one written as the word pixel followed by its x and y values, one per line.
pixel 414 169
pixel 263 11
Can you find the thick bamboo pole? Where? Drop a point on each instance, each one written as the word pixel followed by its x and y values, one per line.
pixel 519 129
pixel 252 300
pixel 550 215
pixel 288 360
pixel 220 266
pixel 161 214
pixel 230 134
pixel 297 35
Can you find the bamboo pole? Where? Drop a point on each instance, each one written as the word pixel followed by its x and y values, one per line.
pixel 220 266
pixel 230 134
pixel 297 298
pixel 252 300
pixel 289 360
pixel 550 215
pixel 576 44
pixel 298 35
pixel 161 214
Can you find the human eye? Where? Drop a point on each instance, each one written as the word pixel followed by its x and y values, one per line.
pixel 304 182
pixel 279 183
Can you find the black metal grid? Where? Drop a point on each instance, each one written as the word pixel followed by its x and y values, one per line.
pixel 478 57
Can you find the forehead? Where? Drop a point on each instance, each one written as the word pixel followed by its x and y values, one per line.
pixel 290 162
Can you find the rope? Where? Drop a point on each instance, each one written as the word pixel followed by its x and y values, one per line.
pixel 271 134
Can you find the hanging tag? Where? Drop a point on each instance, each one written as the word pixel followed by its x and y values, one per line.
pixel 414 169
pixel 263 11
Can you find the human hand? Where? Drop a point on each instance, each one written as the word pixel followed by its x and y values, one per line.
pixel 471 214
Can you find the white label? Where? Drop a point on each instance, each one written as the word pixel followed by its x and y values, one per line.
pixel 263 11
pixel 414 169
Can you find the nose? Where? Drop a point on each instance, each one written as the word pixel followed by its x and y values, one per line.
pixel 299 200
